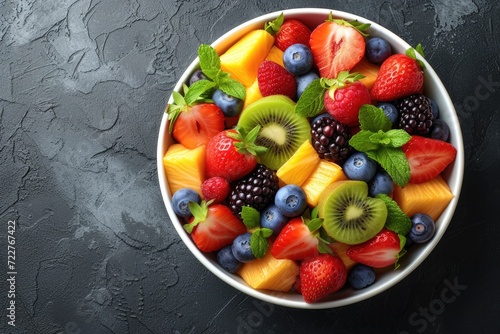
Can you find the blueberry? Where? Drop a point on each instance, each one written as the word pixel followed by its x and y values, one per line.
pixel 227 260
pixel 298 59
pixel 196 76
pixel 390 111
pixel 359 167
pixel 440 130
pixel 290 200
pixel 241 248
pixel 360 276
pixel 304 80
pixel 377 50
pixel 434 108
pixel 381 183
pixel 230 106
pixel 423 228
pixel 181 199
pixel 272 218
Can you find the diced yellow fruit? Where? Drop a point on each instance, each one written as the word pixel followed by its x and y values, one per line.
pixel 242 60
pixel 300 165
pixel 430 197
pixel 276 55
pixel 185 168
pixel 369 70
pixel 269 273
pixel 325 173
pixel 340 249
pixel 253 94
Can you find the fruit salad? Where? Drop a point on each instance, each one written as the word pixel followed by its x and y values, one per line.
pixel 308 159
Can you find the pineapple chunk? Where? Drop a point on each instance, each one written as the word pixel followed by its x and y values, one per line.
pixel 185 168
pixel 325 174
pixel 269 273
pixel 242 60
pixel 300 165
pixel 252 94
pixel 340 249
pixel 430 197
pixel 369 70
pixel 276 55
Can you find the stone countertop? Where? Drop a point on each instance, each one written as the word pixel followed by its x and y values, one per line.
pixel 82 91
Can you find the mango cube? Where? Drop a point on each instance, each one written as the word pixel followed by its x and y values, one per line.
pixel 301 164
pixel 185 168
pixel 430 197
pixel 325 173
pixel 269 273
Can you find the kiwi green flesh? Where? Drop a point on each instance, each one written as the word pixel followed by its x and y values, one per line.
pixel 349 215
pixel 282 130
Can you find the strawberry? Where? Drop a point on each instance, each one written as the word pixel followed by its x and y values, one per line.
pixel 194 124
pixel 400 75
pixel 231 154
pixel 336 45
pixel 215 188
pixel 295 241
pixel 345 96
pixel 213 226
pixel 292 32
pixel 427 157
pixel 274 79
pixel 321 276
pixel 383 250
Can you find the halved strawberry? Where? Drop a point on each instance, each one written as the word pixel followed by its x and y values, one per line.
pixel 336 46
pixel 196 125
pixel 383 250
pixel 213 226
pixel 298 240
pixel 427 157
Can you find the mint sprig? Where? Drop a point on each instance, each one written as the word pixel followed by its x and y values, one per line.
pixel 210 66
pixel 258 241
pixel 382 144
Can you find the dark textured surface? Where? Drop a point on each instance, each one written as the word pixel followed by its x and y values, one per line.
pixel 82 91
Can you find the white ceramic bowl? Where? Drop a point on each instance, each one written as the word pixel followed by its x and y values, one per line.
pixel 453 174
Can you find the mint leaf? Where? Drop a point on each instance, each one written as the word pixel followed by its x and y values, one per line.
pixel 197 91
pixel 397 220
pixel 311 102
pixel 259 242
pixel 398 137
pixel 393 161
pixel 250 216
pixel 361 141
pixel 373 119
pixel 209 61
pixel 232 88
pixel 380 137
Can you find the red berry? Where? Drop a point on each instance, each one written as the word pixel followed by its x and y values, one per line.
pixel 427 157
pixel 336 48
pixel 292 32
pixel 215 188
pixel 321 276
pixel 295 242
pixel 398 77
pixel 379 252
pixel 345 104
pixel 274 79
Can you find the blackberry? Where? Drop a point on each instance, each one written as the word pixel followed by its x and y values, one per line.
pixel 256 190
pixel 330 139
pixel 415 114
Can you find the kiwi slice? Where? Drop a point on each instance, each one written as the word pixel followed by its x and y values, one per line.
pixel 349 215
pixel 282 131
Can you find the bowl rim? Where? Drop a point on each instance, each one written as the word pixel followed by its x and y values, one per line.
pixel 344 297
